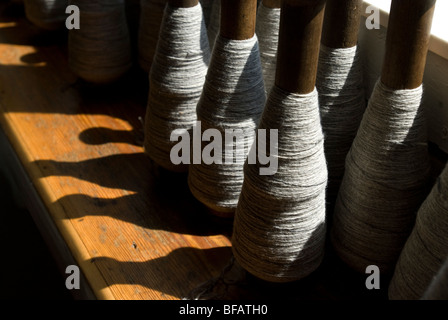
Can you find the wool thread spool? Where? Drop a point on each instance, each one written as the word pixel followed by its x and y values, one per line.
pixel 340 86
pixel 279 228
pixel 100 50
pixel 426 248
pixel 151 15
pixel 46 14
pixel 387 167
pixel 232 99
pixel 176 80
pixel 267 25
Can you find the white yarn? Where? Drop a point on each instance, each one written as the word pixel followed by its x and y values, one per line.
pixel 426 248
pixel 100 51
pixel 46 14
pixel 267 28
pixel 385 180
pixel 279 228
pixel 233 98
pixel 151 15
pixel 176 80
pixel 342 103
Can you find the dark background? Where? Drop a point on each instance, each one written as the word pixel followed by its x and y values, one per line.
pixel 27 269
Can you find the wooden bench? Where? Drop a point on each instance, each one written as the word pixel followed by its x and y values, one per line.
pixel 135 232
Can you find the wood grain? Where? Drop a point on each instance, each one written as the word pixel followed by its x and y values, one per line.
pixel 407 43
pixel 238 19
pixel 135 232
pixel 341 23
pixel 299 44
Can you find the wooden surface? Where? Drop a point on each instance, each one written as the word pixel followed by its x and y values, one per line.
pixel 135 232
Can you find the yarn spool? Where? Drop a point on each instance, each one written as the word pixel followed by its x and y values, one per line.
pixel 233 98
pixel 438 288
pixel 267 25
pixel 340 86
pixel 279 228
pixel 151 15
pixel 46 14
pixel 176 80
pixel 387 167
pixel 426 248
pixel 100 51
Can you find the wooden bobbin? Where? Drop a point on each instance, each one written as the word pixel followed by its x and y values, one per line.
pixel 371 239
pixel 341 23
pixel 296 69
pixel 299 43
pixel 238 19
pixel 183 3
pixel 272 3
pixel 407 43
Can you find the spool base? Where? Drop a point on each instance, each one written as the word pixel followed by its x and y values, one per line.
pixel 332 280
pixel 221 213
pixel 235 283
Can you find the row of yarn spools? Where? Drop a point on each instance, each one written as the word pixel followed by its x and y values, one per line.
pixel 114 34
pixel 377 186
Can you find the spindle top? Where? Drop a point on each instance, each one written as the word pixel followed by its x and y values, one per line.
pixel 272 3
pixel 299 44
pixel 407 43
pixel 341 23
pixel 238 19
pixel 183 3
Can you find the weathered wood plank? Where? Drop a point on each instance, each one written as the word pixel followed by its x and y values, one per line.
pixel 136 233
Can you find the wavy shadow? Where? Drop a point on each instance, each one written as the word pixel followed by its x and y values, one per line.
pixel 98 136
pixel 161 200
pixel 174 274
